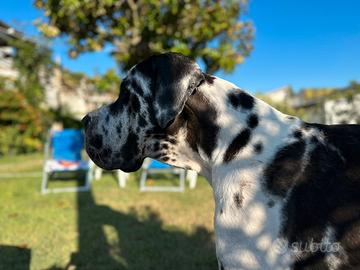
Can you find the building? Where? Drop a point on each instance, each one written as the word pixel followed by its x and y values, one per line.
pixel 7 34
pixel 75 97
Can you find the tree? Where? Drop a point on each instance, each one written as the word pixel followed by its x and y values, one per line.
pixel 207 29
pixel 22 125
pixel 32 60
pixel 108 82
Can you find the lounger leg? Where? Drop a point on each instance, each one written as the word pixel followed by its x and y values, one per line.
pixel 98 173
pixel 44 182
pixel 143 181
pixel 192 178
pixel 122 177
pixel 182 180
pixel 88 179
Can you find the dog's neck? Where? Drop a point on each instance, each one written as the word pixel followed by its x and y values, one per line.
pixel 228 136
pixel 233 140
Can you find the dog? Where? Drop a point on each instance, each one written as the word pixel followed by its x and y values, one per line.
pixel 287 192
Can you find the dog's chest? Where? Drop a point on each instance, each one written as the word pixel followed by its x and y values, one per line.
pixel 248 223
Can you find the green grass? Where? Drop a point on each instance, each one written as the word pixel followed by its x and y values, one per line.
pixel 107 228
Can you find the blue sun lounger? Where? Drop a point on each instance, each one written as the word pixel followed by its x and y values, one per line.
pixel 151 166
pixel 63 156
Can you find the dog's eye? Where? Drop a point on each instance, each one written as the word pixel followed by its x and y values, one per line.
pixel 170 123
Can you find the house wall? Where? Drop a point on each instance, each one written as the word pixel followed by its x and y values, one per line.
pixel 342 110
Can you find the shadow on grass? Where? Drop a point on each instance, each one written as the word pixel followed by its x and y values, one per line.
pixel 136 241
pixel 17 257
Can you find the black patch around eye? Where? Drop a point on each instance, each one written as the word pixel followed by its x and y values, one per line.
pixel 239 142
pixel 241 99
pixel 238 199
pixel 208 78
pixel 165 159
pixel 96 141
pixel 258 147
pixel 253 121
pixel 298 134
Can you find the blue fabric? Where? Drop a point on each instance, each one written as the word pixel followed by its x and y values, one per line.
pixel 67 144
pixel 158 165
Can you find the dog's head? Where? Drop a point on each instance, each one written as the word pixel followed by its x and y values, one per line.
pixel 141 122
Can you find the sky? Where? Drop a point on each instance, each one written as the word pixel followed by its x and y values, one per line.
pixel 308 43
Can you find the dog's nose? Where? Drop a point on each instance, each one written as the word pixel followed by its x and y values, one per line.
pixel 86 120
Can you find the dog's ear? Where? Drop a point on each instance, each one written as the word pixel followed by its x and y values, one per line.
pixel 174 77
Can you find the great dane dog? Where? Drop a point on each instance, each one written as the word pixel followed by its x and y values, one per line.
pixel 287 192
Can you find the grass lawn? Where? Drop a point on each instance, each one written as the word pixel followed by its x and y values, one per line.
pixel 107 228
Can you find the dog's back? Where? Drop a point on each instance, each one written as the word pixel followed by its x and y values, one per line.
pixel 327 195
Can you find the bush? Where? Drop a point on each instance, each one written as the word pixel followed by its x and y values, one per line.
pixel 21 125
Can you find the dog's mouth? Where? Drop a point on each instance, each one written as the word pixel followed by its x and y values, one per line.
pixel 109 163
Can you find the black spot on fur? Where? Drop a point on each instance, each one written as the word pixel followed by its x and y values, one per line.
pixel 118 129
pixel 241 99
pixel 173 160
pixel 285 168
pixel 104 130
pixel 106 153
pixel 208 78
pixel 324 194
pixel 130 149
pixel 298 134
pixel 238 199
pixel 134 103
pixel 165 146
pixel 96 141
pixel 314 139
pixel 156 146
pixel 107 118
pixel 253 120
pixel 258 147
pixel 172 140
pixel 142 121
pixel 239 142
pixel 136 87
pixel 270 203
pixel 324 191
